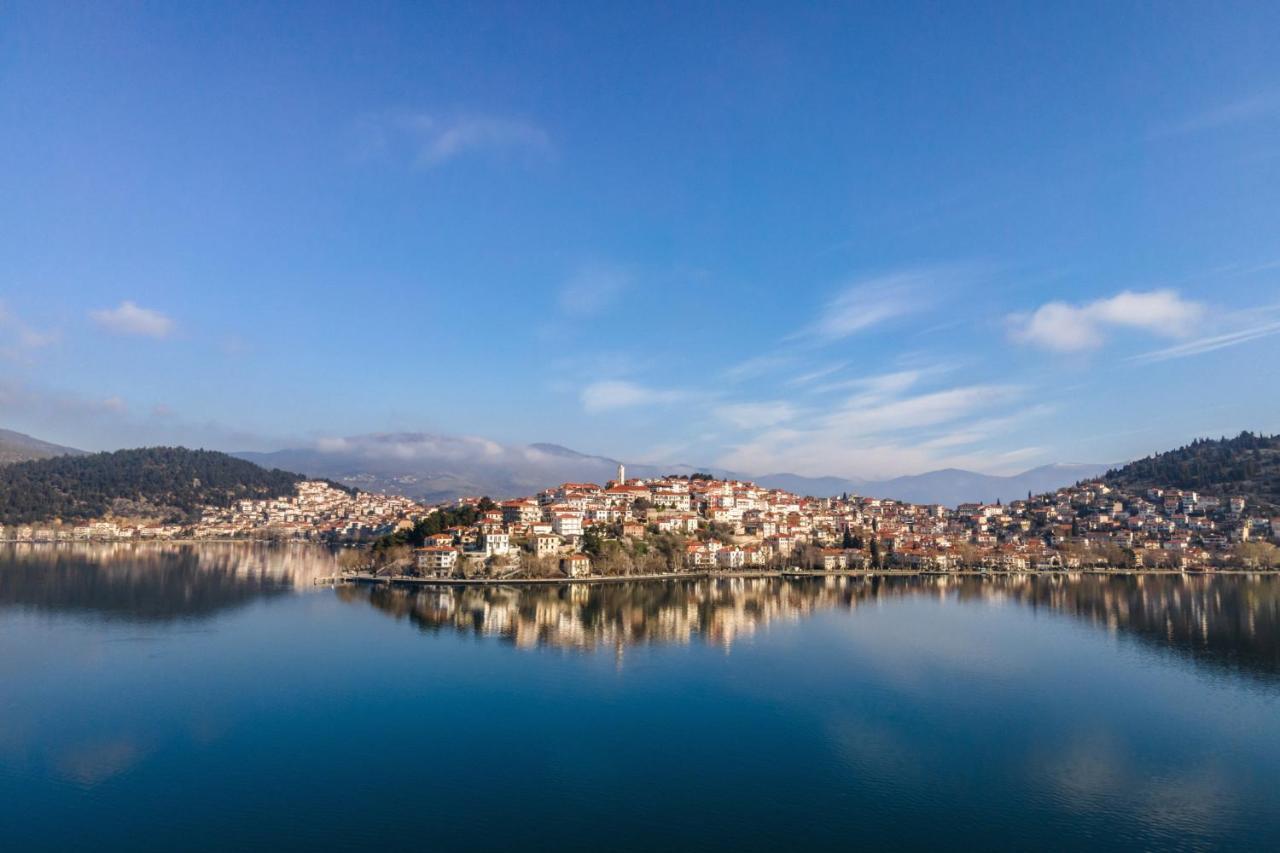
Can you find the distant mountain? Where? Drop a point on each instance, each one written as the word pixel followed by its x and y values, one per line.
pixel 16 447
pixel 949 486
pixel 819 487
pixel 953 486
pixel 154 482
pixel 437 468
pixel 1247 466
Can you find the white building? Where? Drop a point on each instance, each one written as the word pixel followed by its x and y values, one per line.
pixel 437 561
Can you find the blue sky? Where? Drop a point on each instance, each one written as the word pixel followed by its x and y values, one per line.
pixel 862 241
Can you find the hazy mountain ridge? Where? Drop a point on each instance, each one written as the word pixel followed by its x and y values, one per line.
pixel 19 447
pixel 441 468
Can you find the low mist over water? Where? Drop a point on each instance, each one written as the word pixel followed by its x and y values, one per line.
pixel 1060 711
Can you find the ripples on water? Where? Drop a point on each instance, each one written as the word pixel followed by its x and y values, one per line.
pixel 172 686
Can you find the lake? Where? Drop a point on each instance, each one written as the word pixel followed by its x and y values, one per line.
pixel 213 697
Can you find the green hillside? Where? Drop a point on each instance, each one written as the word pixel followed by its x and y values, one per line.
pixel 1247 465
pixel 167 483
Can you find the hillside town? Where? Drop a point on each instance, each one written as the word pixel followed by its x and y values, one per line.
pixel 698 524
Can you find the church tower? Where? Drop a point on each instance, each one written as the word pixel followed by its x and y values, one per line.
pixel 622 474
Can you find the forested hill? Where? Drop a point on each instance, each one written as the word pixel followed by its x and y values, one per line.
pixel 167 483
pixel 1247 465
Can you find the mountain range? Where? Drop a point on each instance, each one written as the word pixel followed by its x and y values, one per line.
pixel 440 468
pixel 436 468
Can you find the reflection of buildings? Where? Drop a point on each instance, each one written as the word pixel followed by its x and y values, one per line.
pixel 153 581
pixel 586 616
pixel 1226 620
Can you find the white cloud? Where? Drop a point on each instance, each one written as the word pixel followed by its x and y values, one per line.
pixel 882 433
pixel 414 446
pixel 429 141
pixel 617 394
pixel 756 415
pixel 817 373
pixel 1064 327
pixel 867 303
pixel 130 319
pixel 1211 343
pixel 592 289
pixel 873 415
pixel 1249 108
pixel 883 384
pixel 107 423
pixel 18 340
pixel 758 365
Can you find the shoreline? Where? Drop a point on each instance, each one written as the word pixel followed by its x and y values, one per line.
pixel 791 573
pixel 410 580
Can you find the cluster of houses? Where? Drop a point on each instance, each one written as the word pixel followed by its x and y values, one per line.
pixel 316 511
pixel 726 525
pixel 737 526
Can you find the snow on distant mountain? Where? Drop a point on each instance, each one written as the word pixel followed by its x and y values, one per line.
pixel 441 468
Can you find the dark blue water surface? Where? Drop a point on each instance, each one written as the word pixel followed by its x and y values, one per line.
pixel 213 698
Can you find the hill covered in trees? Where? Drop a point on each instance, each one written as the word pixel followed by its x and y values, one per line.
pixel 1247 465
pixel 166 483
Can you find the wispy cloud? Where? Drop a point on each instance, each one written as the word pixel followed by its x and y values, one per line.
pixel 1065 327
pixel 818 373
pixel 129 318
pixel 880 384
pixel 18 341
pixel 886 431
pixel 592 289
pixel 430 140
pixel 1199 346
pixel 758 365
pixel 107 421
pixel 755 415
pixel 1254 107
pixel 614 394
pixel 869 302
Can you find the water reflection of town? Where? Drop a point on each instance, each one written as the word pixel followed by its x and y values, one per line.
pixel 1229 621
pixel 153 581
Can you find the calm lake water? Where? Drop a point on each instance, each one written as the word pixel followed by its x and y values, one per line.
pixel 175 697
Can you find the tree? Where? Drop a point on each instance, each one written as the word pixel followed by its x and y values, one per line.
pixel 877 559
pixel 592 542
pixel 352 559
pixel 1257 555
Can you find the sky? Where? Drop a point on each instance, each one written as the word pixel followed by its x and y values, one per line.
pixel 861 240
